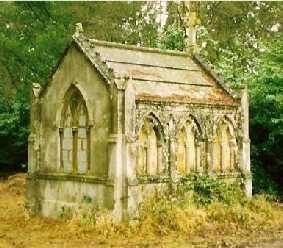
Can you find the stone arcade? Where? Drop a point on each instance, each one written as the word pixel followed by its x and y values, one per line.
pixel 116 122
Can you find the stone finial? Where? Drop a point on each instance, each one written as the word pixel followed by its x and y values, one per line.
pixel 78 29
pixel 36 88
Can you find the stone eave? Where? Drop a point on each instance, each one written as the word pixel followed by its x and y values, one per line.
pixel 191 102
pixel 87 178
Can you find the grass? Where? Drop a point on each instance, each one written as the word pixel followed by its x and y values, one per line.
pixel 179 221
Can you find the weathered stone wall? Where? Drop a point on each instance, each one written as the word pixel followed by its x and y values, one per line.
pixel 206 118
pixel 45 193
pixel 61 193
pixel 75 70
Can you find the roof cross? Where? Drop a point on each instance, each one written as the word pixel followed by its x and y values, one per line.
pixel 190 25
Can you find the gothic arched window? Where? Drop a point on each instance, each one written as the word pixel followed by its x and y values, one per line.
pixel 149 148
pixel 224 147
pixel 188 159
pixel 74 134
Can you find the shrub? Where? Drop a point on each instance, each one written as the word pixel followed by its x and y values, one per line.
pixel 207 189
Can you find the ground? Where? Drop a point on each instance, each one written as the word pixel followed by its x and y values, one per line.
pixel 18 229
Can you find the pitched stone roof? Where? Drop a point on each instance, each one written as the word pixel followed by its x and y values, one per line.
pixel 158 75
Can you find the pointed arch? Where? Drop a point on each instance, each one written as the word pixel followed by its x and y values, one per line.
pixel 230 123
pixel 150 146
pixel 59 113
pixel 171 125
pixel 182 155
pixel 74 133
pixel 194 125
pixel 224 145
pixel 188 152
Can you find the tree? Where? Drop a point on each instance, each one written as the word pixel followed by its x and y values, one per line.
pixel 267 119
pixel 27 56
pixel 33 35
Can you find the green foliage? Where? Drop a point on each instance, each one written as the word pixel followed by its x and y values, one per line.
pixel 163 214
pixel 237 26
pixel 33 35
pixel 266 108
pixel 184 211
pixel 140 28
pixel 201 202
pixel 14 133
pixel 27 56
pixel 207 190
pixel 172 38
pixel 263 182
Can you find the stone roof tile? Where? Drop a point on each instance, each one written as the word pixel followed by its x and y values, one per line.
pixel 158 75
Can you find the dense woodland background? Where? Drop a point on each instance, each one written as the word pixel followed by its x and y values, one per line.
pixel 242 40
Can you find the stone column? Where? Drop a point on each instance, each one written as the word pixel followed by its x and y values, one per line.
pixel 198 157
pixel 130 156
pixel 34 137
pixel 245 131
pixel 88 135
pixel 209 154
pixel 112 194
pixel 173 158
pixel 167 154
pixel 222 155
pixel 147 156
pixel 245 149
pixel 160 168
pixel 123 147
pixel 116 157
pixel 32 198
pixel 187 155
pixel 75 149
pixel 233 148
pixel 132 186
pixel 203 156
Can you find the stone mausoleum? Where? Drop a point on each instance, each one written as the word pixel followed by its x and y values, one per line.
pixel 116 122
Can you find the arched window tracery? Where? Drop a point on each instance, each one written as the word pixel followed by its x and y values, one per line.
pixel 224 147
pixel 188 158
pixel 74 134
pixel 150 149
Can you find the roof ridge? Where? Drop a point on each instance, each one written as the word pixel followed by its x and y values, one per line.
pixel 94 42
